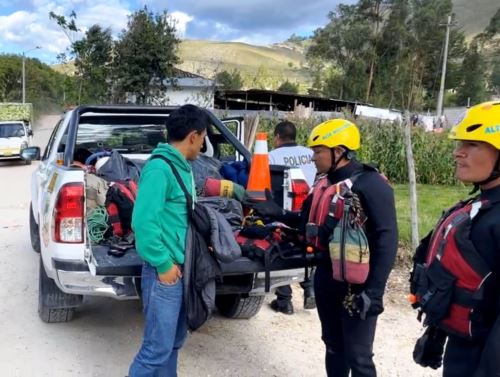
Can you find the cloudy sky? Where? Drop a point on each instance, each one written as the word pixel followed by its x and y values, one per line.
pixel 25 24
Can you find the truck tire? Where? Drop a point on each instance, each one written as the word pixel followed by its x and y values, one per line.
pixel 54 306
pixel 239 306
pixel 34 232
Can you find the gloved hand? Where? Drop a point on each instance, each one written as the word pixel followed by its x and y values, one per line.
pixel 265 208
pixel 429 348
pixel 362 304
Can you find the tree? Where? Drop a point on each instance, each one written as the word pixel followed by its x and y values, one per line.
pixel 296 39
pixel 388 52
pixel 229 80
pixel 92 57
pixel 493 27
pixel 343 42
pixel 474 77
pixel 372 12
pixel 146 54
pixel 289 87
pixel 264 78
pixel 93 63
pixel 428 32
pixel 44 86
pixel 393 85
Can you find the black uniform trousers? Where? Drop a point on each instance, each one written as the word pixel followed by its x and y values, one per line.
pixel 348 339
pixel 461 357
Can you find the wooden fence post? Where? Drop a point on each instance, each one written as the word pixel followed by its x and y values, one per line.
pixel 251 125
pixel 412 181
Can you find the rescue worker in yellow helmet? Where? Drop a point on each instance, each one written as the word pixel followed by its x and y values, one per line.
pixel 348 312
pixel 456 276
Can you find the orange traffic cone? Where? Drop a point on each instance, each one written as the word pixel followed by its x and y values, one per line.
pixel 259 178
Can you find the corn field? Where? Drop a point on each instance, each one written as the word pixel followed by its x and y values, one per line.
pixel 383 144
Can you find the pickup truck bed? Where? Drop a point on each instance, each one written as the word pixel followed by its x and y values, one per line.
pixel 130 264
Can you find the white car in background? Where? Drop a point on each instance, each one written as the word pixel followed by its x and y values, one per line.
pixel 14 137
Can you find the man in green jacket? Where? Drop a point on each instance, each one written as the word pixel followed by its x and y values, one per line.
pixel 160 222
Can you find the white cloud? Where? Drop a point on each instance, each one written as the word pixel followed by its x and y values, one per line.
pixel 27 29
pixel 13 27
pixel 181 21
pixel 112 15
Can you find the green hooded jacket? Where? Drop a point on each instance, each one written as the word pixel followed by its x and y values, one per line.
pixel 160 218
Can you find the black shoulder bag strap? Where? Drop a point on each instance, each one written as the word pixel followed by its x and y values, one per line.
pixel 189 198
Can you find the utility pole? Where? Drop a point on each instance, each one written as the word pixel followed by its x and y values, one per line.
pixel 24 78
pixel 24 71
pixel 439 110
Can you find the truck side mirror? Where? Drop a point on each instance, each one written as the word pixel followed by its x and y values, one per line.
pixel 30 153
pixel 30 132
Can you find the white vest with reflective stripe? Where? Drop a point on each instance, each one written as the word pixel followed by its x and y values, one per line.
pixel 297 157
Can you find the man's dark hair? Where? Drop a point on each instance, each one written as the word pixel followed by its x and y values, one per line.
pixel 81 155
pixel 286 131
pixel 184 120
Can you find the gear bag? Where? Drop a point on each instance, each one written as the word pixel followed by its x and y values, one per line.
pixel 348 244
pixel 261 243
pixel 120 199
pixel 449 274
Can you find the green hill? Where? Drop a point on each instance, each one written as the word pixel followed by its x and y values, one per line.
pixel 279 62
pixel 474 15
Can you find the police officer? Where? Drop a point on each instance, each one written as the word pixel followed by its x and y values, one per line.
pixel 467 267
pixel 348 312
pixel 288 153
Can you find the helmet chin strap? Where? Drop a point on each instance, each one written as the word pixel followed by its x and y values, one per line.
pixel 335 162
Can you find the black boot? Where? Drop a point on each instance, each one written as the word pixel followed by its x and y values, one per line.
pixel 309 298
pixel 285 307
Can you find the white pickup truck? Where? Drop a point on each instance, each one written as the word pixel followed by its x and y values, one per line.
pixel 72 267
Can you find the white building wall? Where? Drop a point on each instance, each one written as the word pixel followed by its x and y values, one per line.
pixel 203 97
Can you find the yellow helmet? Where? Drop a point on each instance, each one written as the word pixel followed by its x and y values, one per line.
pixel 333 133
pixel 480 123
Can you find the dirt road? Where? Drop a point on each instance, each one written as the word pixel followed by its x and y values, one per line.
pixel 105 335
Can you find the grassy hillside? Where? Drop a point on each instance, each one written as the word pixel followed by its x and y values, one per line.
pixel 209 57
pixel 474 15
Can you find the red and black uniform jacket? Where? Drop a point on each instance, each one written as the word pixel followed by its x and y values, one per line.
pixel 485 235
pixel 377 200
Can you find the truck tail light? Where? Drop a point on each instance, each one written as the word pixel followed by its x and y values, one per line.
pixel 300 190
pixel 68 214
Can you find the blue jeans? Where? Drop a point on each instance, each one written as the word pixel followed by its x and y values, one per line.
pixel 165 327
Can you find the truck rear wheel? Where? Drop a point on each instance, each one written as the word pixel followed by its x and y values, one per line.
pixel 34 231
pixel 239 306
pixel 54 306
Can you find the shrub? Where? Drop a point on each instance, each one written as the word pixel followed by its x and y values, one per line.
pixel 383 144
